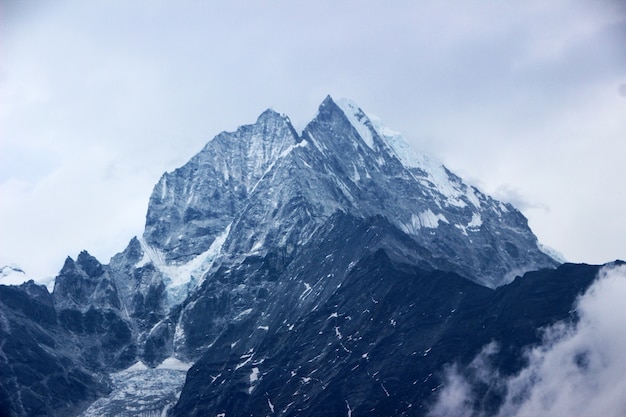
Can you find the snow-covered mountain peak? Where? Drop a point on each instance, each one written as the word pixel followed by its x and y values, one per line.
pixel 271 114
pixel 358 119
pixel 429 171
pixel 369 126
pixel 276 259
pixel 262 187
pixel 194 204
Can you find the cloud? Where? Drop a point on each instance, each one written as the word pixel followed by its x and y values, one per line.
pixel 512 194
pixel 459 395
pixel 577 370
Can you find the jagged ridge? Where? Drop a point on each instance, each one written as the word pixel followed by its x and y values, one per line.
pixel 266 227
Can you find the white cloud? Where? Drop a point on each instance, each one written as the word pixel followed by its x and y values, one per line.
pixel 578 370
pixel 458 396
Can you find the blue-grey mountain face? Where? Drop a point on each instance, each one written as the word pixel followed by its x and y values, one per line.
pixel 377 345
pixel 299 272
pixel 264 192
pixel 265 187
pixel 194 204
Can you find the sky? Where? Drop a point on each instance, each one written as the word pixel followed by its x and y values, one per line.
pixel 525 100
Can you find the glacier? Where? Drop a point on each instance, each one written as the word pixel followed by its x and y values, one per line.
pixel 142 391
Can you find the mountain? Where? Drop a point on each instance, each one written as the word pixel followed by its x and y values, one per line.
pixel 43 370
pixel 377 346
pixel 264 186
pixel 325 272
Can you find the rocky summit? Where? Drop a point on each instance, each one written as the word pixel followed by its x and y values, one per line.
pixel 329 272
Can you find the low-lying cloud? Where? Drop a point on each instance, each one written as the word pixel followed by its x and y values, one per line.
pixel 577 370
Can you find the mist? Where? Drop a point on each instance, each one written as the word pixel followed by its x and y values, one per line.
pixel 577 370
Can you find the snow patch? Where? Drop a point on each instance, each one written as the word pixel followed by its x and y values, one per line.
pixel 137 366
pixel 384 389
pixel 254 377
pixel 356 177
pixel 438 178
pixel 473 225
pixel 181 278
pixel 243 314
pixel 472 196
pixel 552 253
pixel 145 259
pixel 246 358
pixel 358 119
pixel 338 333
pixel 426 219
pixel 142 391
pixel 164 188
pixel 476 221
pixel 307 290
pixel 174 364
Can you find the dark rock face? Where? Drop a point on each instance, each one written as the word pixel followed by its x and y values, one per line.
pixel 323 273
pixel 422 198
pixel 83 284
pixel 377 345
pixel 89 307
pixel 41 374
pixel 140 286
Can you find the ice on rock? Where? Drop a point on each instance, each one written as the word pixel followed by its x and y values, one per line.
pixel 358 119
pixel 437 176
pixel 476 221
pixel 426 219
pixel 139 390
pixel 180 279
pixel 174 364
pixel 242 314
pixel 247 358
pixel 254 377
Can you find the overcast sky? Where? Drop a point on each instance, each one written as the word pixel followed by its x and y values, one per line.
pixel 526 100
